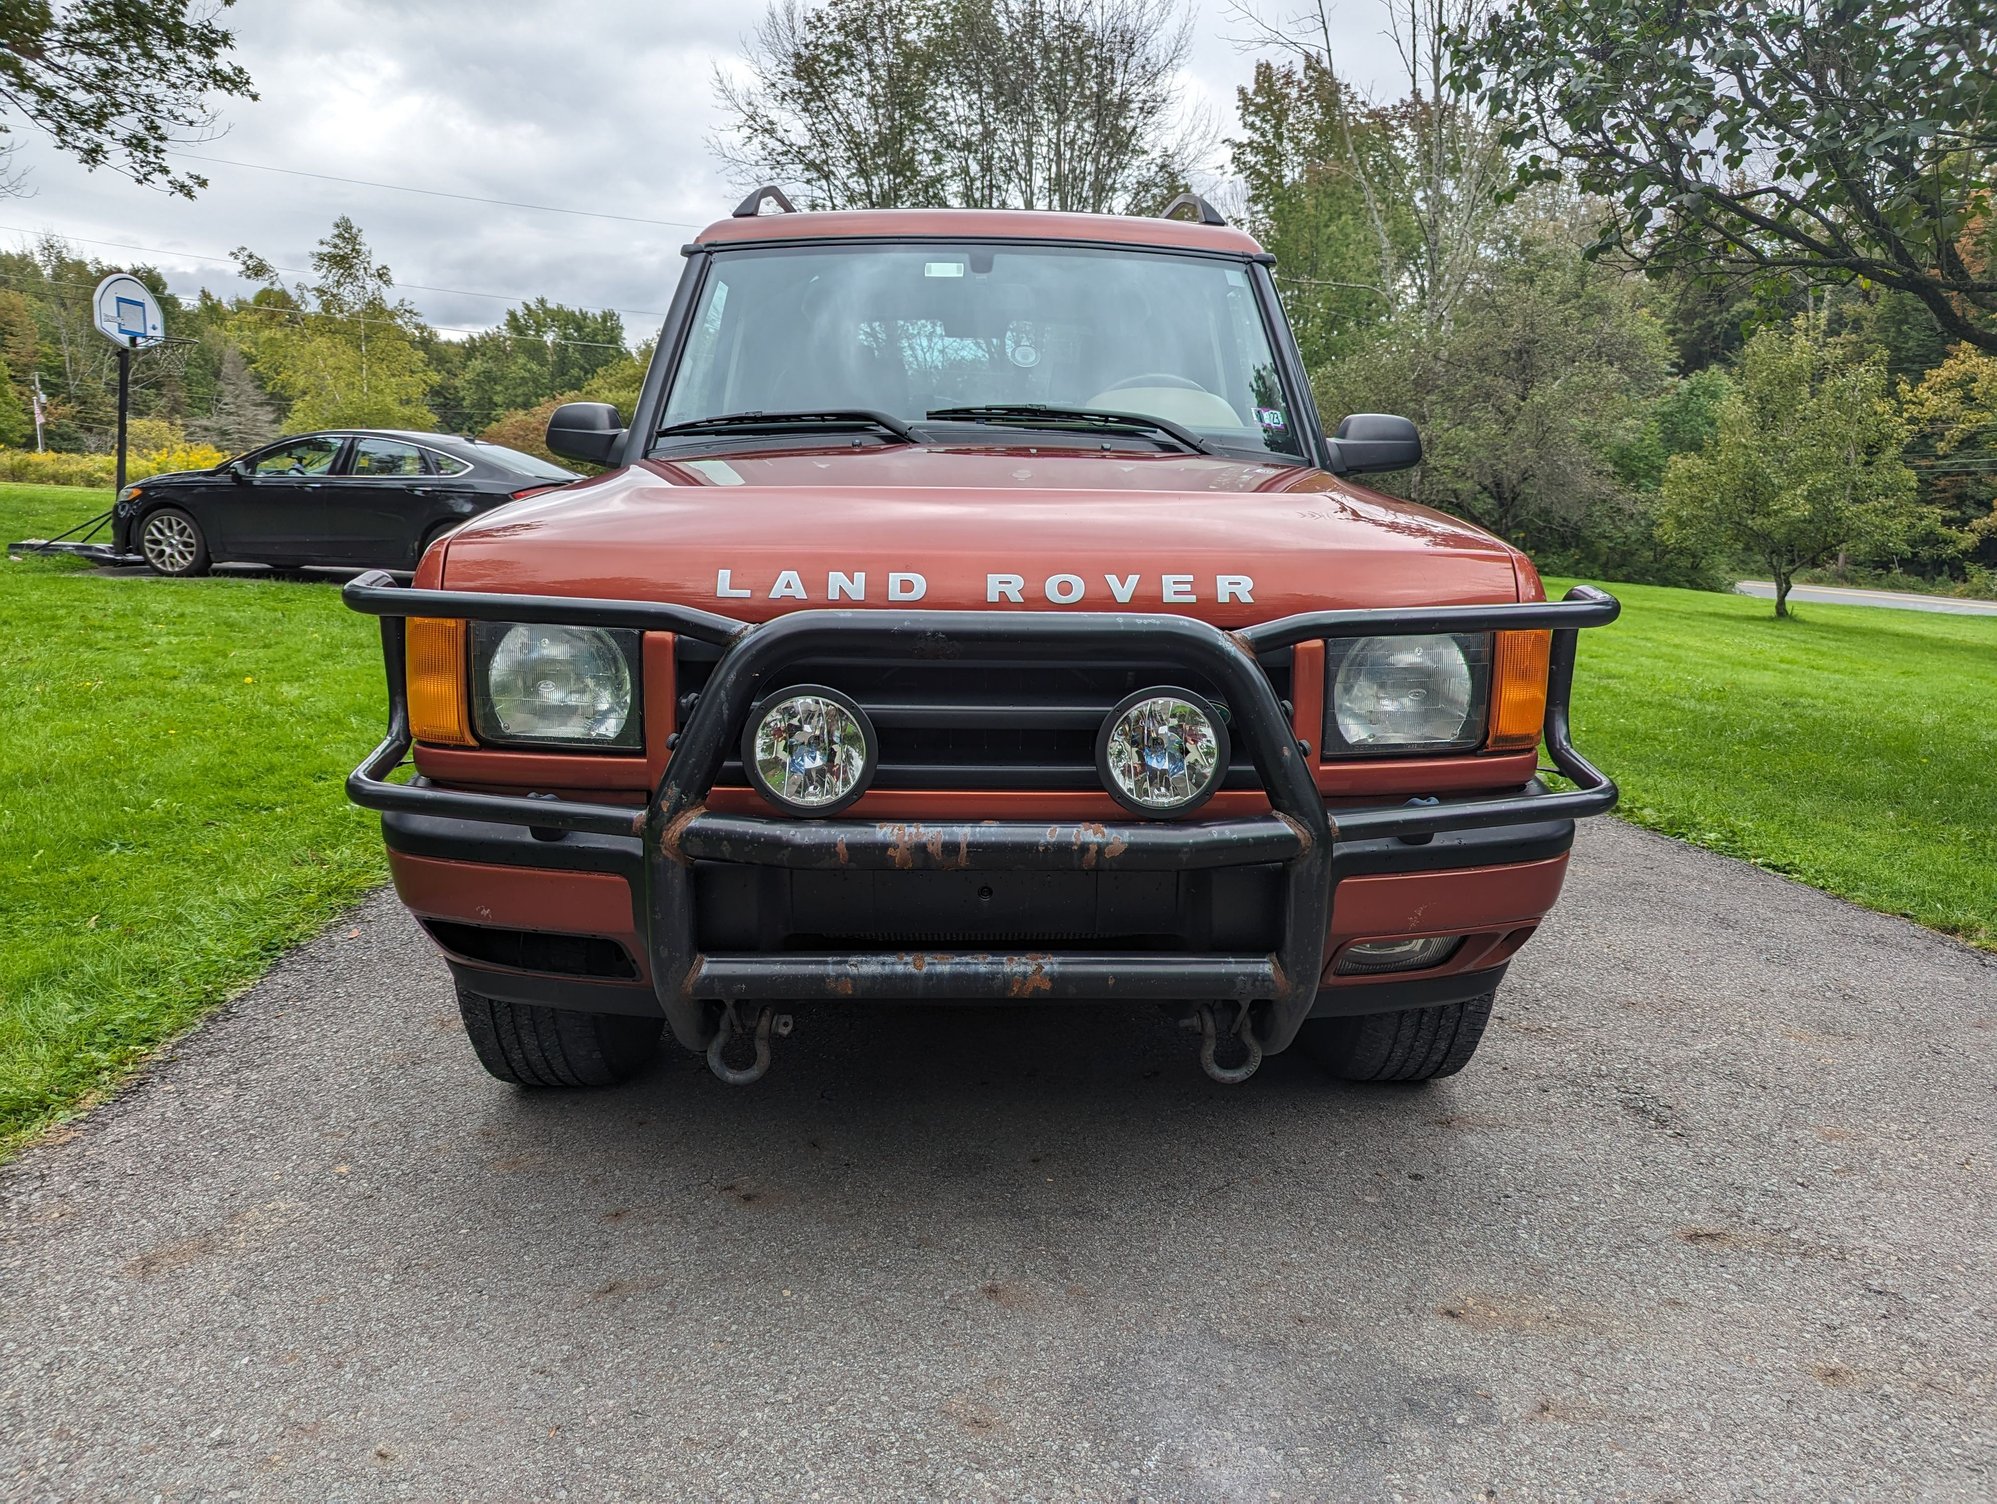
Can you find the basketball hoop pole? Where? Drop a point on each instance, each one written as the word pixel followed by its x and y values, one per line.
pixel 124 400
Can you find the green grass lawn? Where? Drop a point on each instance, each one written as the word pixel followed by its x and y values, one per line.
pixel 172 752
pixel 1852 747
pixel 171 816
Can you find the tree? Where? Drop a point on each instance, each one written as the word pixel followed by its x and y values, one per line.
pixel 1525 396
pixel 341 348
pixel 118 83
pixel 1305 158
pixel 1844 140
pixel 1804 463
pixel 1032 104
pixel 840 98
pixel 1428 165
pixel 241 417
pixel 17 424
pixel 1064 104
pixel 1954 410
pixel 539 349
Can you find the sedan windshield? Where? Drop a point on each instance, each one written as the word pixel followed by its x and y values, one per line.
pixel 909 330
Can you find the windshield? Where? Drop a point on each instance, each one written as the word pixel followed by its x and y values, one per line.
pixel 908 329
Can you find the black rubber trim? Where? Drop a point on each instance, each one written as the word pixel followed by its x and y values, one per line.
pixel 633 999
pixel 445 838
pixel 1454 850
pixel 1388 996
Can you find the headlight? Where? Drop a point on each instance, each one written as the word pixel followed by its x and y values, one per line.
pixel 809 750
pixel 1407 694
pixel 1162 752
pixel 555 685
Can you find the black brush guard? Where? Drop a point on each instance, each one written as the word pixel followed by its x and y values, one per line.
pixel 679 830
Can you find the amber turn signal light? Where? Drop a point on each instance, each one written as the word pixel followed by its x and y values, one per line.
pixel 439 708
pixel 1518 690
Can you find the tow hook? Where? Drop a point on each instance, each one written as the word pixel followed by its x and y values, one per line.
pixel 768 1022
pixel 1240 1034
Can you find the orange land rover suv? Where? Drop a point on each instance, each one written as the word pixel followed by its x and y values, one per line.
pixel 974 608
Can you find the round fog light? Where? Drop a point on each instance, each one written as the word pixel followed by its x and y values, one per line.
pixel 1162 751
pixel 809 750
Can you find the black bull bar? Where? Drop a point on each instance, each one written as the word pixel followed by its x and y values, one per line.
pixel 678 829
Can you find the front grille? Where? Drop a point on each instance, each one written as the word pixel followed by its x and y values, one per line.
pixel 984 725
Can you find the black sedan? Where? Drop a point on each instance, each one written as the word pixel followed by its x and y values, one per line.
pixel 354 498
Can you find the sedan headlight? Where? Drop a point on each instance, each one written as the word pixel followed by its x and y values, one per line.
pixel 555 686
pixel 1406 694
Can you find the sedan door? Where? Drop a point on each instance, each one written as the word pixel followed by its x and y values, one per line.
pixel 377 512
pixel 270 510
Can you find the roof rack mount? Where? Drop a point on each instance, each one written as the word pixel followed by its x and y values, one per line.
pixel 769 193
pixel 1206 212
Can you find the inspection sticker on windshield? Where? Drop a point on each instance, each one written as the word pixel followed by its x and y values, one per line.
pixel 943 269
pixel 1269 417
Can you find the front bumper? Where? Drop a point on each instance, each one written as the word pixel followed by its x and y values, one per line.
pixel 676 834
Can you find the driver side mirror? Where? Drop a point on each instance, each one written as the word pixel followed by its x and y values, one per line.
pixel 1375 441
pixel 587 431
pixel 240 472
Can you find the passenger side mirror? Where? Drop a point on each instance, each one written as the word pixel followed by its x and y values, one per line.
pixel 1375 441
pixel 587 431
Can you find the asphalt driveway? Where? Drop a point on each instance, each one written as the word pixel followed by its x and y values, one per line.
pixel 1710 1216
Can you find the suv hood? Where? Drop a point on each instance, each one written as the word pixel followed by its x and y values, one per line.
pixel 755 536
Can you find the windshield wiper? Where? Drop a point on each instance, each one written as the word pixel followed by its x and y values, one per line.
pixel 830 418
pixel 1035 414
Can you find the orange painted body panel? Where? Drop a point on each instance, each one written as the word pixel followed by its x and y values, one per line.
pixel 981 224
pixel 1496 907
pixel 954 518
pixel 519 898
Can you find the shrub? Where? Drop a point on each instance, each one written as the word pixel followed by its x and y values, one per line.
pixel 57 468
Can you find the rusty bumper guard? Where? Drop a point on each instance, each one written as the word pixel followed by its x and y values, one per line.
pixel 679 830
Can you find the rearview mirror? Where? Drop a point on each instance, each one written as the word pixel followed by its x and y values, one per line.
pixel 1375 441
pixel 587 431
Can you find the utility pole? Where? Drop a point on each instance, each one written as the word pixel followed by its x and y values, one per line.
pixel 41 412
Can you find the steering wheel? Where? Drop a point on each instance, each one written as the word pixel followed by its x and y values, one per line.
pixel 1156 378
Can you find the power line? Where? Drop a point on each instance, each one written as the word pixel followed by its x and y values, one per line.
pixel 297 271
pixel 468 198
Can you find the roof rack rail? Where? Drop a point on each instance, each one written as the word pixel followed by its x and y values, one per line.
pixel 751 206
pixel 1208 214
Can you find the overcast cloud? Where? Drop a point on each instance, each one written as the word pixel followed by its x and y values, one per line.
pixel 605 105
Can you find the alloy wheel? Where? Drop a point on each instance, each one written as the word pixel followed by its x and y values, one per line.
pixel 169 543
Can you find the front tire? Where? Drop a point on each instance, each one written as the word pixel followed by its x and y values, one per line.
pixel 534 1046
pixel 173 543
pixel 1414 1044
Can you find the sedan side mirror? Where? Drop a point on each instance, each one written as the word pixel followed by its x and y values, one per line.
pixel 240 473
pixel 1376 441
pixel 587 431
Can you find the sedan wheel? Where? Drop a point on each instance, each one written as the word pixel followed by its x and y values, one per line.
pixel 172 543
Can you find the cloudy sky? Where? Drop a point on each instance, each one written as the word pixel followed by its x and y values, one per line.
pixel 603 105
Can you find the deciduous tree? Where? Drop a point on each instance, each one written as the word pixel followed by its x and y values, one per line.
pixel 1832 139
pixel 1804 463
pixel 341 348
pixel 1032 104
pixel 119 83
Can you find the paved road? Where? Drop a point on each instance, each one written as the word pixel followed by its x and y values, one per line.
pixel 1902 600
pixel 1710 1217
